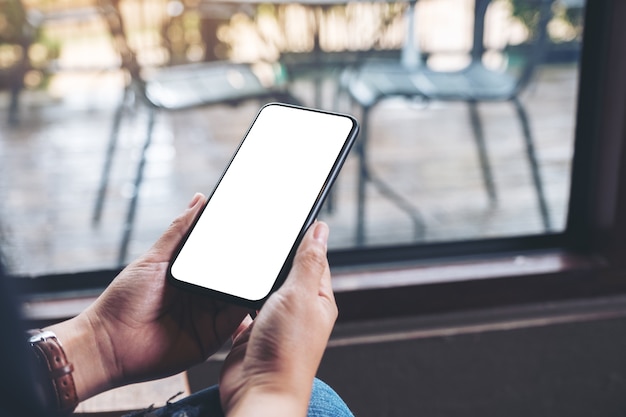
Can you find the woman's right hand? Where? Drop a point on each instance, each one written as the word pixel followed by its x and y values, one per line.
pixel 274 359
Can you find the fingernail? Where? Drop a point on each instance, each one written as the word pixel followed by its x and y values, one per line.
pixel 196 198
pixel 320 233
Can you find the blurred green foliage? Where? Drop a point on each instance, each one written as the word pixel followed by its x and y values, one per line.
pixel 527 12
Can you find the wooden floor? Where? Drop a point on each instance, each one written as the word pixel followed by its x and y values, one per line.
pixel 50 166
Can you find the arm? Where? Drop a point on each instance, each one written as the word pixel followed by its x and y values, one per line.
pixel 273 361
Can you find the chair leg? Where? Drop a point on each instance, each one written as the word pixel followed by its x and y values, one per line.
pixel 17 86
pixel 132 206
pixel 362 177
pixel 108 160
pixel 365 174
pixel 479 138
pixel 14 105
pixel 534 165
pixel 339 92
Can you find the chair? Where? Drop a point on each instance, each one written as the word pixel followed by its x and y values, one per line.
pixel 374 81
pixel 172 89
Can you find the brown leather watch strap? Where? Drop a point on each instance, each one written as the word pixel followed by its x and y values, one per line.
pixel 51 357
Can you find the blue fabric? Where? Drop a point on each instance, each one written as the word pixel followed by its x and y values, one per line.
pixel 325 402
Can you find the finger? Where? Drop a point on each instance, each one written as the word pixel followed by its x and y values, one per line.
pixel 168 242
pixel 310 263
pixel 321 234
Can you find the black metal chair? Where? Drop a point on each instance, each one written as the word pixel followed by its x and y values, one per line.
pixel 172 88
pixel 375 81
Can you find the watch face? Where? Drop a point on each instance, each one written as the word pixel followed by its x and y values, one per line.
pixel 39 335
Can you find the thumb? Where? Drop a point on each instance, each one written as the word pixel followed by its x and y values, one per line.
pixel 168 242
pixel 310 264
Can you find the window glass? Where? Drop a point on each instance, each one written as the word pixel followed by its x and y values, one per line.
pixel 430 96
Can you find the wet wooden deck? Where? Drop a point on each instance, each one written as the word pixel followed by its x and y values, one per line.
pixel 50 166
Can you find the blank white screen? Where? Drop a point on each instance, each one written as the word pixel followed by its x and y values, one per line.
pixel 253 218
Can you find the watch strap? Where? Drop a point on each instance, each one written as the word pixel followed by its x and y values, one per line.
pixel 58 369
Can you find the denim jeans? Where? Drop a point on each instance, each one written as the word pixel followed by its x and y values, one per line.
pixel 325 402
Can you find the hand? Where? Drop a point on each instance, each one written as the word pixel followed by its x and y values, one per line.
pixel 273 360
pixel 141 327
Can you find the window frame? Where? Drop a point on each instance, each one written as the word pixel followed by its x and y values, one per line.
pixel 589 253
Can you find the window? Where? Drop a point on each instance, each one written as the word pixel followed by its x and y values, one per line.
pixel 52 215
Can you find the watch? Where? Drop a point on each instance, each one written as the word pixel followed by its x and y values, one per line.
pixel 54 364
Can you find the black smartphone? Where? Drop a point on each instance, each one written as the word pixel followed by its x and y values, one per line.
pixel 241 247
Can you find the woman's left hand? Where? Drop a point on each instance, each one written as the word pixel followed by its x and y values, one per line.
pixel 141 327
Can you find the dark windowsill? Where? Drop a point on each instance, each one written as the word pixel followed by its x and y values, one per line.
pixel 481 283
pixel 439 272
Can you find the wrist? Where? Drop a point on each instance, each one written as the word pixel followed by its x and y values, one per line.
pixel 83 349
